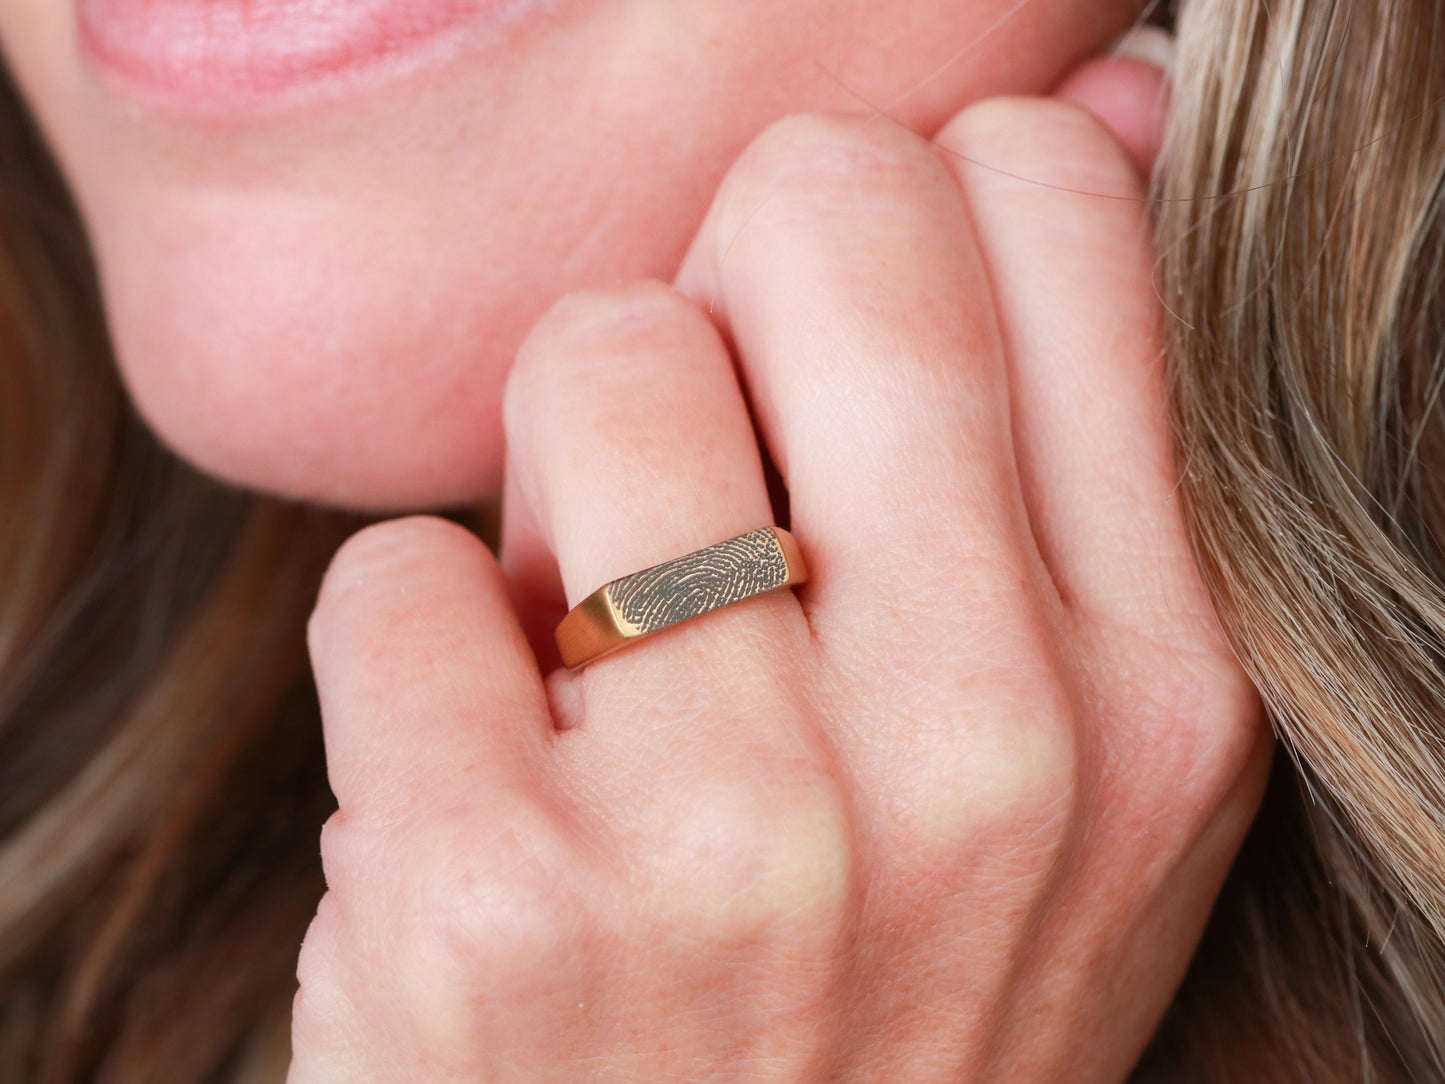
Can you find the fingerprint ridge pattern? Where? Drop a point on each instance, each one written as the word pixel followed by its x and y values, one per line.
pixel 701 582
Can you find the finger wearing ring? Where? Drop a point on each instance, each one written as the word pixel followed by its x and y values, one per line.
pixel 633 607
pixel 629 444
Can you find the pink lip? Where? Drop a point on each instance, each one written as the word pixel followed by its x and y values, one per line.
pixel 224 54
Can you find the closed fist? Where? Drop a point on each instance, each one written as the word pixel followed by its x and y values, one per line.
pixel 955 810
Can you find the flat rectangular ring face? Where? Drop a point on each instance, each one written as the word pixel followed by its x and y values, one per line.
pixel 750 564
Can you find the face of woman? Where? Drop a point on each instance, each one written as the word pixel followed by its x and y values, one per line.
pixel 323 226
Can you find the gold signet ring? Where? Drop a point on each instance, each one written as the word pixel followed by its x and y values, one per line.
pixel 656 598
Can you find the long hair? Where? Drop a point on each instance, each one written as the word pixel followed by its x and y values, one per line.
pixel 161 773
pixel 1301 235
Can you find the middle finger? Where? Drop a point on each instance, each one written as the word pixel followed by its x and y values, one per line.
pixel 840 256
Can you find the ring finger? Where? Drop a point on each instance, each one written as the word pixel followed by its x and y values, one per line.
pixel 629 445
pixel 840 257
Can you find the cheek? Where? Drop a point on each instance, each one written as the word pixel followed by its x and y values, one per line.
pixel 319 397
pixel 321 334
pixel 348 342
pixel 326 306
pixel 307 356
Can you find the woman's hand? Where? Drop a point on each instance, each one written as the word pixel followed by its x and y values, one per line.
pixel 955 810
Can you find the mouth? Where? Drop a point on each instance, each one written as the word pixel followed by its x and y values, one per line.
pixel 224 56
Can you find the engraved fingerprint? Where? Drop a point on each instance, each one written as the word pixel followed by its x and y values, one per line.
pixel 700 582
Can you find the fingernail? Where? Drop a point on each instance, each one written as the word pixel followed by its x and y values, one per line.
pixel 1151 44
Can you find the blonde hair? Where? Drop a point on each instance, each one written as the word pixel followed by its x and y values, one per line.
pixel 1302 258
pixel 161 776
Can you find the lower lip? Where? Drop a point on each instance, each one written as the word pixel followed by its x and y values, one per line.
pixel 224 55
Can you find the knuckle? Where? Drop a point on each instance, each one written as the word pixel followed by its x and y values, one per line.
pixel 753 864
pixel 1204 740
pixel 378 555
pixel 457 922
pixel 1041 141
pixel 599 315
pixel 587 337
pixel 1026 782
pixel 344 856
pixel 322 1010
pixel 1042 781
pixel 1007 794
pixel 820 164
pixel 500 917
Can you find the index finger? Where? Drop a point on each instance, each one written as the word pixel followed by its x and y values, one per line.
pixel 428 687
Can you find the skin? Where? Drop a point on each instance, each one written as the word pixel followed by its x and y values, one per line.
pixel 321 295
pixel 956 809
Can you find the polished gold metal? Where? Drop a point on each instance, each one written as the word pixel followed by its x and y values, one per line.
pixel 626 610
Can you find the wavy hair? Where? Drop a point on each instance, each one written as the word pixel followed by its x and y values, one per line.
pixel 161 775
pixel 162 782
pixel 1302 257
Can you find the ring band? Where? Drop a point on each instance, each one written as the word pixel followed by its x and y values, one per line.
pixel 635 606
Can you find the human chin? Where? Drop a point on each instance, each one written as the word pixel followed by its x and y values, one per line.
pixel 316 286
pixel 334 341
pixel 316 271
pixel 346 338
pixel 290 373
pixel 310 285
